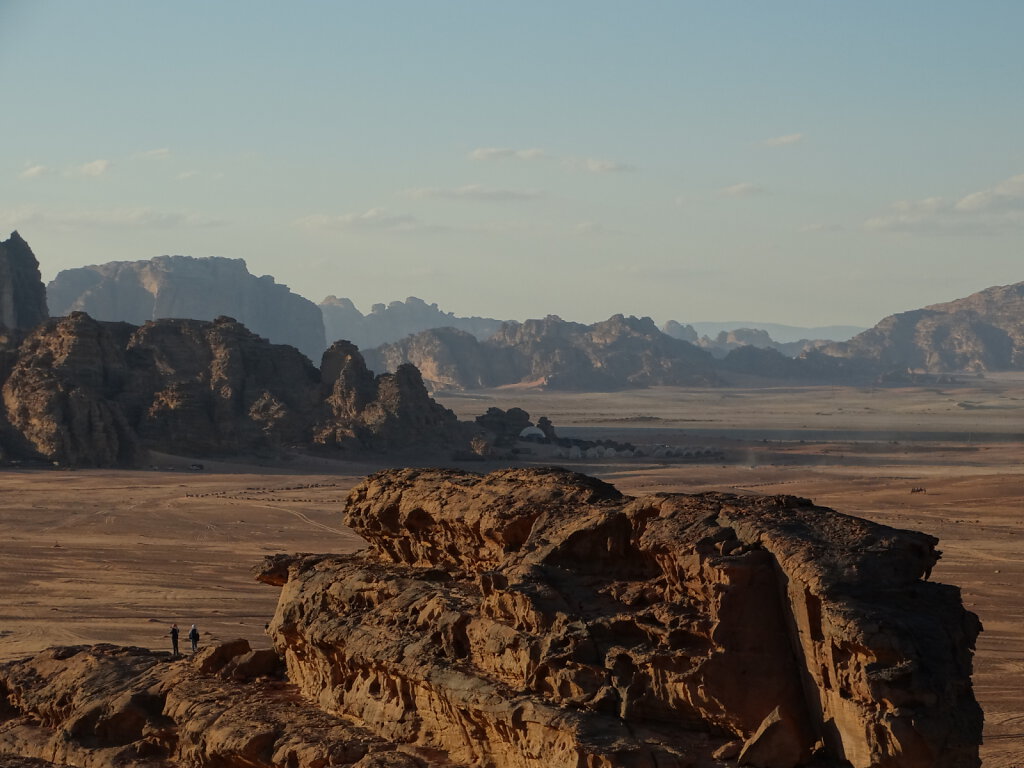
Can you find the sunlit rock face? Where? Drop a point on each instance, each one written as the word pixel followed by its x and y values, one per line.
pixel 540 618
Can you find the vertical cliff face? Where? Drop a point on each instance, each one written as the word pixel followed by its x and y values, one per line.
pixel 22 295
pixel 540 619
pixel 191 288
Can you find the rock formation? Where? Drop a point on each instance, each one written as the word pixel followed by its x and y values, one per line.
pixel 618 353
pixel 102 706
pixel 389 323
pixel 541 619
pixel 982 332
pixel 190 288
pixel 84 392
pixel 534 618
pixel 22 296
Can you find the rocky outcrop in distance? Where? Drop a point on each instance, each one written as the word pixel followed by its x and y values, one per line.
pixel 618 353
pixel 386 323
pixel 184 287
pixel 22 296
pixel 982 332
pixel 88 393
pixel 541 619
pixel 735 338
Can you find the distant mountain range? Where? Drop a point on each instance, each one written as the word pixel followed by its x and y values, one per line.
pixel 981 332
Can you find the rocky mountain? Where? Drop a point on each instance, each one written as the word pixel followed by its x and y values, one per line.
pixel 392 322
pixel 83 392
pixel 22 296
pixel 540 619
pixel 782 334
pixel 190 288
pixel 734 338
pixel 982 332
pixel 617 353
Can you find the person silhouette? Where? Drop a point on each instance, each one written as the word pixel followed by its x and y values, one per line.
pixel 174 639
pixel 193 636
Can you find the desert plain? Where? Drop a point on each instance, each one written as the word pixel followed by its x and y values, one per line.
pixel 90 556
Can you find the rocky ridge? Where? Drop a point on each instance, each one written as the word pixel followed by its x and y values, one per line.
pixel 618 353
pixel 190 288
pixel 387 323
pixel 533 618
pixel 982 332
pixel 89 393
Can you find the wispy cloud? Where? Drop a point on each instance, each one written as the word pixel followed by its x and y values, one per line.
pixel 474 192
pixel 373 220
pixel 33 172
pixel 597 165
pixel 161 152
pixel 506 153
pixel 995 208
pixel 743 189
pixel 587 164
pixel 184 175
pixel 784 141
pixel 116 218
pixel 94 168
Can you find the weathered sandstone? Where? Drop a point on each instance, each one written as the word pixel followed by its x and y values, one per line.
pixel 534 618
pixel 84 392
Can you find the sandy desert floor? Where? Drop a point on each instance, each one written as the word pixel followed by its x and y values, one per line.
pixel 116 556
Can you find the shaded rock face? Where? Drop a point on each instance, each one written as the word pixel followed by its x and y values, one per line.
pixel 84 392
pixel 389 323
pixel 618 353
pixel 982 332
pixel 101 706
pixel 533 618
pixel 22 295
pixel 191 288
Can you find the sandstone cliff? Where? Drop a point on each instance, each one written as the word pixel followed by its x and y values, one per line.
pixel 84 392
pixel 537 618
pixel 620 352
pixel 982 332
pixel 190 288
pixel 22 296
pixel 391 322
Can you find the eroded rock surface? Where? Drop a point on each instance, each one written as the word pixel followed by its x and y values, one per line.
pixel 103 706
pixel 534 618
pixel 84 392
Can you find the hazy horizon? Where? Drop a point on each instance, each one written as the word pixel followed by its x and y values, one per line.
pixel 807 164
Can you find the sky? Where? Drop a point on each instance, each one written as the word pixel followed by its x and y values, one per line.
pixel 808 163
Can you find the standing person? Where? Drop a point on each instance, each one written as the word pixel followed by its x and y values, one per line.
pixel 174 639
pixel 193 636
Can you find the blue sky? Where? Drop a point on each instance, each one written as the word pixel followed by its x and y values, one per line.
pixel 797 162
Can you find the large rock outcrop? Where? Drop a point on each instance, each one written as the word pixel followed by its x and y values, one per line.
pixel 621 352
pixel 982 332
pixel 386 323
pixel 541 619
pixel 190 288
pixel 84 392
pixel 534 618
pixel 22 295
